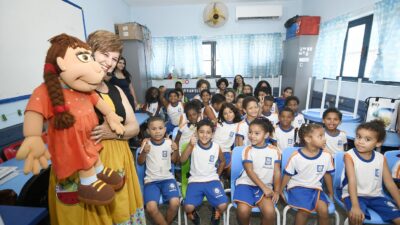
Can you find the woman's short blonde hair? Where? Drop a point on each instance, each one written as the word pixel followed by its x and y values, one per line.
pixel 104 41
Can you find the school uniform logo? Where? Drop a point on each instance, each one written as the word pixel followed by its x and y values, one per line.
pixel 376 172
pixel 290 141
pixel 340 143
pixel 217 192
pixel 211 158
pixel 268 161
pixel 172 187
pixel 231 134
pixel 164 154
pixel 179 110
pixel 320 168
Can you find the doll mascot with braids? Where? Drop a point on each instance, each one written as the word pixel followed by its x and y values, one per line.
pixel 66 101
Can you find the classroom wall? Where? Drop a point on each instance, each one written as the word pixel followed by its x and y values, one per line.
pixel 331 9
pixel 103 14
pixel 186 20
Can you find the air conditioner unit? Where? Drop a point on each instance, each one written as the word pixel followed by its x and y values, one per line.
pixel 247 12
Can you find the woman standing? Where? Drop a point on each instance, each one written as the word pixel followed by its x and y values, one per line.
pixel 122 78
pixel 238 84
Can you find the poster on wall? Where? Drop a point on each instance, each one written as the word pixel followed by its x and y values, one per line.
pixel 385 109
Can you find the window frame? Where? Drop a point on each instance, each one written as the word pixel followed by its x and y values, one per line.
pixel 213 57
pixel 367 20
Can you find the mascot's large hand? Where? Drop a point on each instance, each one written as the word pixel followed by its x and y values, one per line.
pixel 115 123
pixel 34 151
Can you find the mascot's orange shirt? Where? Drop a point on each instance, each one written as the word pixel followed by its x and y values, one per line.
pixel 70 149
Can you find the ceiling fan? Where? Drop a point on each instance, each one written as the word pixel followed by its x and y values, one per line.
pixel 215 14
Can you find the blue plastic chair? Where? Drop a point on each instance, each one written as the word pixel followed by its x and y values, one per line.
pixel 236 170
pixel 391 158
pixel 331 207
pixel 337 188
pixel 140 171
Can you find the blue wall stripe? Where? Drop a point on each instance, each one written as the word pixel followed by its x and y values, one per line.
pixel 14 99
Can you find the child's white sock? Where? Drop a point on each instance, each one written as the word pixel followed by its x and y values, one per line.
pixel 99 168
pixel 88 180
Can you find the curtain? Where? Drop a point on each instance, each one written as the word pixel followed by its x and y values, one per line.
pixel 386 66
pixel 178 55
pixel 329 48
pixel 249 55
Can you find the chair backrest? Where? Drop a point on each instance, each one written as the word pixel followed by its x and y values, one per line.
pixel 236 167
pixel 286 155
pixel 337 178
pixel 140 170
pixel 392 158
pixel 35 191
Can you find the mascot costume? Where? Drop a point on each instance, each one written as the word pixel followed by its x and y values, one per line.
pixel 65 103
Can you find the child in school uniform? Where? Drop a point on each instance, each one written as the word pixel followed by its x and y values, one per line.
pixel 152 105
pixel 336 140
pixel 239 104
pixel 225 132
pixel 293 103
pixel 158 153
pixel 266 110
pixel 181 95
pixel 174 108
pixel 252 109
pixel 285 134
pixel 187 125
pixel 222 85
pixel 280 101
pixel 230 95
pixel 211 112
pixel 366 170
pixel 204 174
pixel 303 174
pixel 248 90
pixel 259 183
pixel 263 92
pixel 201 85
pixel 205 96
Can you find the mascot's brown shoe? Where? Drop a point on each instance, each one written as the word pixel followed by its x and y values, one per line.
pixel 97 193
pixel 112 178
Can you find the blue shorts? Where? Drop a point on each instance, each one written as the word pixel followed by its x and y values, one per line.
pixel 305 198
pixel 248 194
pixel 213 191
pixel 170 127
pixel 166 188
pixel 384 207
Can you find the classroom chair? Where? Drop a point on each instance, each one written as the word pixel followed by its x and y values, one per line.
pixel 392 158
pixel 140 171
pixel 337 191
pixel 236 169
pixel 331 207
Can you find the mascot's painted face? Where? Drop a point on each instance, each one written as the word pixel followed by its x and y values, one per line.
pixel 79 71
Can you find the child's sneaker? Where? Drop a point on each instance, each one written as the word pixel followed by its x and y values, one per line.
pixel 111 178
pixel 215 216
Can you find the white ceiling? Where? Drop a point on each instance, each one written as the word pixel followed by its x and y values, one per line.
pixel 134 3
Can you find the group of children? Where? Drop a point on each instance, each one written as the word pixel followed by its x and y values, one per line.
pixel 209 126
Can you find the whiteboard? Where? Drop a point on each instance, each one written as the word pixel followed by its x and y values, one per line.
pixel 25 28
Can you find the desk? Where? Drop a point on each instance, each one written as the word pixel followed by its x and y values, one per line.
pixel 392 139
pixel 315 115
pixel 17 215
pixel 141 117
pixel 18 182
